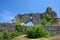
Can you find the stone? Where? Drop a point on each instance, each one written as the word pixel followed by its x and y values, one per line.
pixel 35 18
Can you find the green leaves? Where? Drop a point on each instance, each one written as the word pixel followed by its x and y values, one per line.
pixel 46 19
pixel 17 22
pixel 1 36
pixel 18 29
pixel 6 35
pixel 15 34
pixel 37 31
pixel 18 26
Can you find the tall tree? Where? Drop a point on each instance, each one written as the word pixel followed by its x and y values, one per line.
pixel 18 26
pixel 46 19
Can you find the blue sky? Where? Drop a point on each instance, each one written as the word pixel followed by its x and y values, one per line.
pixel 10 8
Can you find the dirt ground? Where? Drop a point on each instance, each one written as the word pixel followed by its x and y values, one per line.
pixel 57 37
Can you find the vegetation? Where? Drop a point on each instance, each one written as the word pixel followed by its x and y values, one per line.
pixel 32 32
pixel 6 35
pixel 18 26
pixel 15 34
pixel 37 31
pixel 18 29
pixel 1 36
pixel 46 19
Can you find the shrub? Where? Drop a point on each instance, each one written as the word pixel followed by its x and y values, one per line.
pixel 37 31
pixel 1 36
pixel 18 29
pixel 47 17
pixel 44 21
pixel 15 34
pixel 18 26
pixel 6 35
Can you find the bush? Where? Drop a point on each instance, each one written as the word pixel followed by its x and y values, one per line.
pixel 18 29
pixel 6 35
pixel 15 34
pixel 47 17
pixel 18 26
pixel 1 36
pixel 37 31
pixel 44 21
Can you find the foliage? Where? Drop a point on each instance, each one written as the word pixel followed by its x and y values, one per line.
pixel 46 19
pixel 6 35
pixel 18 26
pixel 18 29
pixel 37 31
pixel 15 34
pixel 1 36
pixel 17 22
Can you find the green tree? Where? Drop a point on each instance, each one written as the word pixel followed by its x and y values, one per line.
pixel 18 26
pixel 46 20
pixel 1 36
pixel 15 34
pixel 18 29
pixel 47 17
pixel 37 31
pixel 6 35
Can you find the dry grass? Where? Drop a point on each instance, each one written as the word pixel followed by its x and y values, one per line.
pixel 57 37
pixel 20 38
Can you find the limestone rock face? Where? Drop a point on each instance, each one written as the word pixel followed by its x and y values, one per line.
pixel 35 18
pixel 8 26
